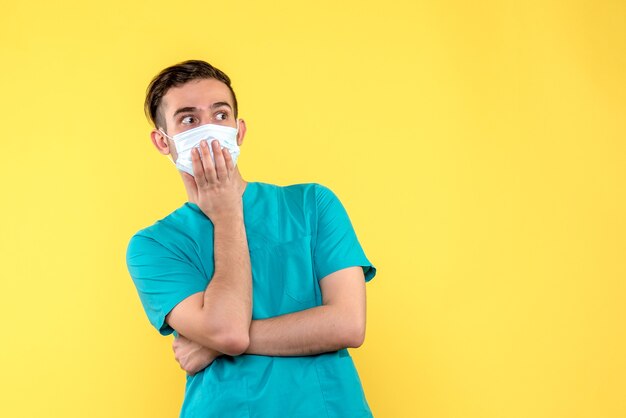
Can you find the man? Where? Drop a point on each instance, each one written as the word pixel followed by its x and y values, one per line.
pixel 262 285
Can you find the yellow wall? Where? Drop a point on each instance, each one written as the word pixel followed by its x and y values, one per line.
pixel 478 147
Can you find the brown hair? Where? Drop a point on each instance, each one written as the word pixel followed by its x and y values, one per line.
pixel 177 75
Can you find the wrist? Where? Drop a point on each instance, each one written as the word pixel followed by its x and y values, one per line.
pixel 228 219
pixel 211 354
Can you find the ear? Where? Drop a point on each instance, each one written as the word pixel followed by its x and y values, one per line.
pixel 160 141
pixel 242 132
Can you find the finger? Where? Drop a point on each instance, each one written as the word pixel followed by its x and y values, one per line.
pixel 230 165
pixel 209 168
pixel 220 164
pixel 198 170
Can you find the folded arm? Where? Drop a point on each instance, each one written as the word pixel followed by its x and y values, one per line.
pixel 220 316
pixel 338 323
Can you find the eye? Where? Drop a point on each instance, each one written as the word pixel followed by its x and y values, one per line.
pixel 186 120
pixel 221 115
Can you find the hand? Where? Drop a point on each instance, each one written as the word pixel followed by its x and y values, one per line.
pixel 192 356
pixel 213 186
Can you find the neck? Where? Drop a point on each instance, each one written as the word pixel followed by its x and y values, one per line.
pixel 242 184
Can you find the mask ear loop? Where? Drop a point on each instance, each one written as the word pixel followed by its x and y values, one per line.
pixel 237 134
pixel 171 159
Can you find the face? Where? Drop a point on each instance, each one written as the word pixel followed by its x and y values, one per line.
pixel 193 104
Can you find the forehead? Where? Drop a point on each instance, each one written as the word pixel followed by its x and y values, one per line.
pixel 196 93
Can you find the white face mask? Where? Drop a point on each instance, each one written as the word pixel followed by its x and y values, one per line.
pixel 190 139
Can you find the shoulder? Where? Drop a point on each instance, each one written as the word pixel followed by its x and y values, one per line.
pixel 296 187
pixel 157 233
pixel 314 190
pixel 312 195
pixel 301 193
pixel 315 196
pixel 304 189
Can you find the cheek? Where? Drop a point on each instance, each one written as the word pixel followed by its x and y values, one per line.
pixel 172 149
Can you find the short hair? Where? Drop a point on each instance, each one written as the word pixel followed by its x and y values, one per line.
pixel 177 75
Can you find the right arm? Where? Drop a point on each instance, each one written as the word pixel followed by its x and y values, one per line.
pixel 220 316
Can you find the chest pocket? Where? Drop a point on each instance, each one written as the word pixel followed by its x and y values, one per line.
pixel 295 262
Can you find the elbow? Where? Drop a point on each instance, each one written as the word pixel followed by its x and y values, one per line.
pixel 230 341
pixel 355 339
pixel 234 343
pixel 355 334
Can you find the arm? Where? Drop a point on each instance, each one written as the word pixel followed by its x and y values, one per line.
pixel 338 323
pixel 220 316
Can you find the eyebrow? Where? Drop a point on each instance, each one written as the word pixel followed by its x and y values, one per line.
pixel 194 109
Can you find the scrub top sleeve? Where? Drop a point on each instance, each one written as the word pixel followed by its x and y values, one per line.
pixel 161 277
pixel 336 243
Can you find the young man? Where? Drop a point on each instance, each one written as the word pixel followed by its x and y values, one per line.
pixel 262 285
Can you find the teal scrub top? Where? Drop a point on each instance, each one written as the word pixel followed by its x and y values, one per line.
pixel 297 235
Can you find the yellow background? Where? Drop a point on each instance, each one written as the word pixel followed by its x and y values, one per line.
pixel 477 146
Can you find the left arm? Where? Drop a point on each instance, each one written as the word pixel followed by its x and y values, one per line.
pixel 338 323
